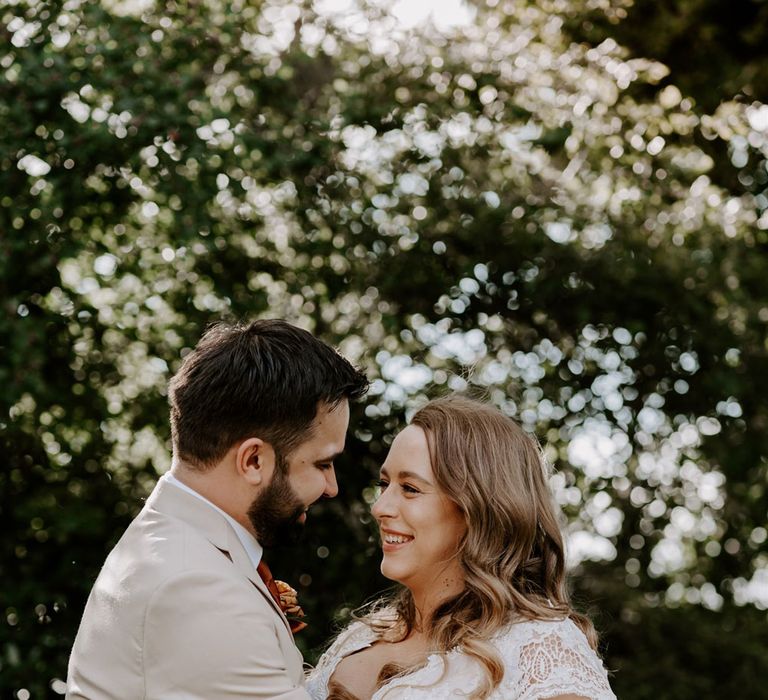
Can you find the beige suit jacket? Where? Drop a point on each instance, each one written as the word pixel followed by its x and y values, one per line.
pixel 179 612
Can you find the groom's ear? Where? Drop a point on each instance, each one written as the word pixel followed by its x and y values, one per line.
pixel 255 461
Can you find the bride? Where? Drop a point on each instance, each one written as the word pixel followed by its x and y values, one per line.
pixel 469 529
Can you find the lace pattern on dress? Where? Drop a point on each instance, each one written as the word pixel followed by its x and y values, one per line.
pixel 542 659
pixel 555 658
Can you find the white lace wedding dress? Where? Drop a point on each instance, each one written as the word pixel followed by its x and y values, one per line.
pixel 542 659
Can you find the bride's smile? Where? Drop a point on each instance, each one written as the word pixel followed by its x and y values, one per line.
pixel 421 527
pixel 390 540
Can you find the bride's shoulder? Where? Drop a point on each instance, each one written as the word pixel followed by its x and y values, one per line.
pixel 552 655
pixel 356 631
pixel 361 632
pixel 525 635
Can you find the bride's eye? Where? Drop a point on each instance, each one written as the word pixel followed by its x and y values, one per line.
pixel 410 489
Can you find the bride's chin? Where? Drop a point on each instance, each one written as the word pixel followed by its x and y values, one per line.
pixel 396 574
pixel 388 571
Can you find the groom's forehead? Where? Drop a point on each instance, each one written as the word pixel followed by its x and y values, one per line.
pixel 326 437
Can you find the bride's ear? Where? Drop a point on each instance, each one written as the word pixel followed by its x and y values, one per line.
pixel 255 461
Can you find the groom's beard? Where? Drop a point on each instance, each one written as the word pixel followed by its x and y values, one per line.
pixel 275 512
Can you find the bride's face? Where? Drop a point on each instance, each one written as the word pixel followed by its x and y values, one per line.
pixel 420 526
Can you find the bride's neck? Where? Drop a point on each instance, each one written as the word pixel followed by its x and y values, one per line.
pixel 427 599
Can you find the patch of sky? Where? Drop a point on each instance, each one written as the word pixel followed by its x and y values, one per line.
pixel 669 556
pixel 559 231
pixel 404 372
pixel 105 265
pixel 514 138
pixel 599 449
pixel 444 14
pixel 588 546
pixel 412 184
pixel 465 347
pixel 754 590
pixel 34 166
pixel 429 143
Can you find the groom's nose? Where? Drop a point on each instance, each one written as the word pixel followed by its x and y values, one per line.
pixel 331 487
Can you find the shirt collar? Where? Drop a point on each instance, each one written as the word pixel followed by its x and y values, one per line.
pixel 251 546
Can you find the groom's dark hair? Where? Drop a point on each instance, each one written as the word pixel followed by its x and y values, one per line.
pixel 263 379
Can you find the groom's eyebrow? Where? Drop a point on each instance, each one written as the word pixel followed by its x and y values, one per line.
pixel 328 460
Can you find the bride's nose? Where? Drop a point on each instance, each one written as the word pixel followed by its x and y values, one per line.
pixel 384 505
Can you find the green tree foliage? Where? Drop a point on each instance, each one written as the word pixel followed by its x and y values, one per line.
pixel 506 208
pixel 714 50
pixel 716 53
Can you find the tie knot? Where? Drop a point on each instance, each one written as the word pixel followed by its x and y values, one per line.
pixel 269 581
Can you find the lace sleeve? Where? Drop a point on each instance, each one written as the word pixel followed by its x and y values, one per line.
pixel 554 658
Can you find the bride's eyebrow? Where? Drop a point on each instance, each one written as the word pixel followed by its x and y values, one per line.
pixel 414 477
pixel 404 474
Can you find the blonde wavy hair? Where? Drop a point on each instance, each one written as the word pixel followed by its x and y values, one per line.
pixel 512 554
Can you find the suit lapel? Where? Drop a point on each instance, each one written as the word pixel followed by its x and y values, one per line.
pixel 172 500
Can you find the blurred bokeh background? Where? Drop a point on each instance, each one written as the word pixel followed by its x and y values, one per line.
pixel 562 203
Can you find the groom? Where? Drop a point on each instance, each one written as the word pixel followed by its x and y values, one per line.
pixel 181 608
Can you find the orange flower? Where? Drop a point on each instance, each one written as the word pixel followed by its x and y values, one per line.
pixel 289 604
